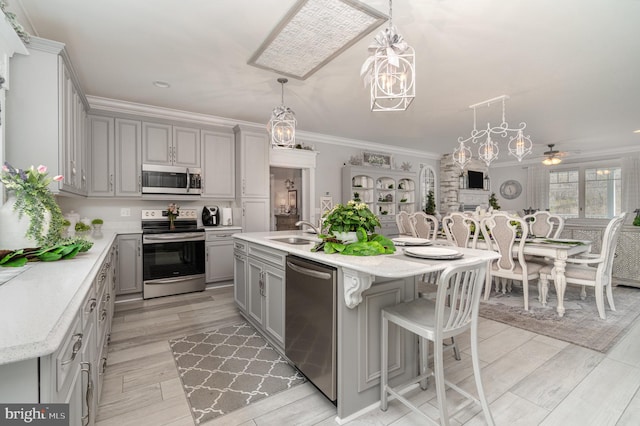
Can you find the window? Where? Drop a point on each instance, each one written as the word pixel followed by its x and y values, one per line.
pixel 602 192
pixel 564 193
pixel 586 192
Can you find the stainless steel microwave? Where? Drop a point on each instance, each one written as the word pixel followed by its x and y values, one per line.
pixel 171 180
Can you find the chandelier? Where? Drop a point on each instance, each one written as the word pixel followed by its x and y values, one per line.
pixel 519 145
pixel 282 126
pixel 390 70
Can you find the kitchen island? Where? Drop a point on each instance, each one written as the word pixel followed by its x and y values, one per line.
pixel 365 285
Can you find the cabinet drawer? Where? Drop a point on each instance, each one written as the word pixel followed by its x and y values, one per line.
pixel 219 236
pixel 274 257
pixel 240 246
pixel 89 306
pixel 68 355
pixel 103 316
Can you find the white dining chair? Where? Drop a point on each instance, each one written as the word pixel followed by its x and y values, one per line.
pixel 461 230
pixel 424 225
pixel 592 270
pixel 544 224
pixel 500 231
pixel 404 224
pixel 454 311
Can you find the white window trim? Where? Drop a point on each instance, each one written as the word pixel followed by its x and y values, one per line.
pixel 582 167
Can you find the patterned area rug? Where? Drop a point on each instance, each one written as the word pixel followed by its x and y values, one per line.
pixel 581 324
pixel 229 368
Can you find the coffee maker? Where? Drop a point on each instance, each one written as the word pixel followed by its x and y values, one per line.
pixel 211 216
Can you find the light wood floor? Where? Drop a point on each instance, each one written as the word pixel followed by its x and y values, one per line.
pixel 529 379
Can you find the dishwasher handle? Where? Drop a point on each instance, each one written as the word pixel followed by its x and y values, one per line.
pixel 309 272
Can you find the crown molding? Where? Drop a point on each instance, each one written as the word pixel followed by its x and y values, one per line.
pixel 106 105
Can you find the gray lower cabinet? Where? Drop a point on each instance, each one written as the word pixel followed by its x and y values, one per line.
pixel 240 274
pixel 219 255
pixel 72 374
pixel 129 274
pixel 264 285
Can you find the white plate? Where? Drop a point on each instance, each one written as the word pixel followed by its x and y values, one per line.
pixel 411 241
pixel 433 253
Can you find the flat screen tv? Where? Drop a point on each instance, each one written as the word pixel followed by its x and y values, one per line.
pixel 476 180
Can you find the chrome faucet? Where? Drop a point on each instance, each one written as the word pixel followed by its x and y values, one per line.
pixel 310 225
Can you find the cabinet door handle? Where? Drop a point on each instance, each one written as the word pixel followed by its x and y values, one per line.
pixel 111 182
pixel 140 183
pixel 93 304
pixel 103 315
pixel 76 348
pixel 139 249
pixel 104 365
pixel 88 397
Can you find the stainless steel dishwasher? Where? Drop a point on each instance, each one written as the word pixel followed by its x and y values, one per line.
pixel 311 322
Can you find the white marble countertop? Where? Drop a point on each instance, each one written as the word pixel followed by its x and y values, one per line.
pixel 396 265
pixel 38 305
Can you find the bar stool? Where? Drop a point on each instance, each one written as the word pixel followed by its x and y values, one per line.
pixel 436 320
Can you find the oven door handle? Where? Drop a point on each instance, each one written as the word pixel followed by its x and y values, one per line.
pixel 167 280
pixel 188 236
pixel 188 181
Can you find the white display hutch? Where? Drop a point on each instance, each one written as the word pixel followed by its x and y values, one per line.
pixel 385 191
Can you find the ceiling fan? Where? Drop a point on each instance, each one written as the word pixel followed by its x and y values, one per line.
pixel 552 156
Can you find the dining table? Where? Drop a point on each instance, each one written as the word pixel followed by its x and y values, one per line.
pixel 557 250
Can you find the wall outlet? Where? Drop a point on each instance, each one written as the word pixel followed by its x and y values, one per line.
pixel 124 212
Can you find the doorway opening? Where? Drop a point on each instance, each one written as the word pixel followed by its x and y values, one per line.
pixel 286 195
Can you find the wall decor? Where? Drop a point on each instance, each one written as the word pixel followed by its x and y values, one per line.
pixel 293 200
pixel 377 159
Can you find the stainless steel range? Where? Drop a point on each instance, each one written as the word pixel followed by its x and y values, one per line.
pixel 173 260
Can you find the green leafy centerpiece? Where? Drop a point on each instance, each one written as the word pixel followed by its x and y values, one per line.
pixel 30 196
pixel 350 230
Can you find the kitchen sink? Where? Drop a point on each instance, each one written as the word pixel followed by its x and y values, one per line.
pixel 294 240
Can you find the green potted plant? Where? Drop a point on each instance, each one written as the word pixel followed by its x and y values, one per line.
pixel 97 227
pixel 344 220
pixel 430 208
pixel 29 196
pixel 493 201
pixel 82 228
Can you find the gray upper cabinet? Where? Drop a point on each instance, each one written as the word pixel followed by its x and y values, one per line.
pixel 218 155
pixel 128 158
pixel 45 92
pixel 164 144
pixel 115 157
pixel 252 148
pixel 101 156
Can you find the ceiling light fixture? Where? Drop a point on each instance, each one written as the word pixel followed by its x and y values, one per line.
pixel 390 70
pixel 282 126
pixel 552 157
pixel 313 33
pixel 519 145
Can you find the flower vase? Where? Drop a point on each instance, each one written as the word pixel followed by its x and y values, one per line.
pixel 172 225
pixel 13 228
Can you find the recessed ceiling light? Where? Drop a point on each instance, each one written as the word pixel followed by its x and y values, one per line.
pixel 161 84
pixel 636 131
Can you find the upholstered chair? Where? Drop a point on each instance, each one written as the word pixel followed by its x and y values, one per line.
pixel 544 224
pixel 592 270
pixel 424 225
pixel 404 224
pixel 461 230
pixel 500 232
